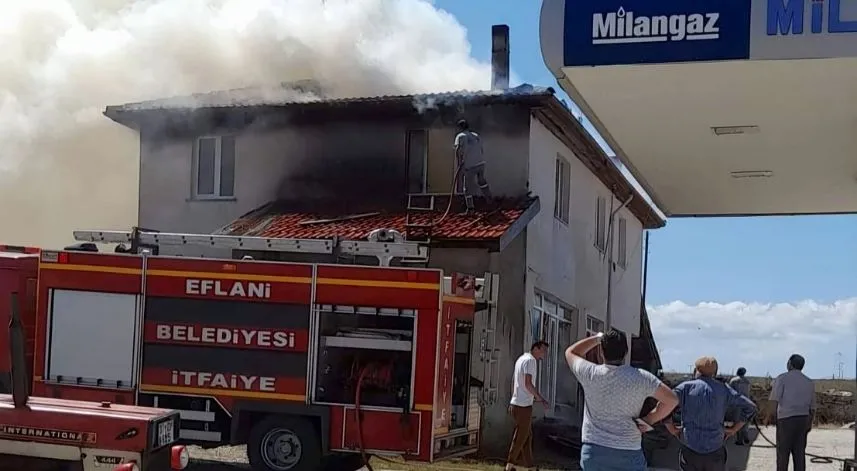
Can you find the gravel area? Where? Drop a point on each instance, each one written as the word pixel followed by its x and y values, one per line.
pixel 760 457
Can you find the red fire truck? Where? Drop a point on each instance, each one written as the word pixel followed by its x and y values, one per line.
pixel 303 362
pixel 59 434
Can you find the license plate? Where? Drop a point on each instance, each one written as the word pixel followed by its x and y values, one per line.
pixel 166 432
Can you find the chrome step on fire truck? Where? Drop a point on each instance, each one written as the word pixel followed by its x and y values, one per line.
pixel 306 363
pixel 55 434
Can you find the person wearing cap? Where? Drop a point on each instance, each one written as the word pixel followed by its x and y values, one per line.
pixel 470 163
pixel 703 402
pixel 742 385
pixel 614 394
pixel 794 395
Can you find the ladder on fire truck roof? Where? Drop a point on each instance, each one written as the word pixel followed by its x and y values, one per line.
pixel 385 251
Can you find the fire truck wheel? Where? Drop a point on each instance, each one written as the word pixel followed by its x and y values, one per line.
pixel 279 443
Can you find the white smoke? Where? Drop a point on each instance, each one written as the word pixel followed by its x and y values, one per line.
pixel 65 166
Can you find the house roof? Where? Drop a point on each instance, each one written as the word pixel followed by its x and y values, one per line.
pixel 499 222
pixel 301 96
pixel 298 99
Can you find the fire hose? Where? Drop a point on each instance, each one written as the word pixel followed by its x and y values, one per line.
pixel 817 459
pixel 458 168
pixel 378 375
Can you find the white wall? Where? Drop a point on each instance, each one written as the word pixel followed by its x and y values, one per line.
pixel 562 259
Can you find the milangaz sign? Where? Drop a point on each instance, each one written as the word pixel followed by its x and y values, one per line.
pixel 46 434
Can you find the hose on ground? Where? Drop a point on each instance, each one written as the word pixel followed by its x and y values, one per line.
pixel 817 459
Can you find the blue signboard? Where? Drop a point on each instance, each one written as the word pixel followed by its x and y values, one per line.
pixel 605 32
pixel 785 17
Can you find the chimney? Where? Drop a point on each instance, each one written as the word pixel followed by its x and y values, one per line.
pixel 499 57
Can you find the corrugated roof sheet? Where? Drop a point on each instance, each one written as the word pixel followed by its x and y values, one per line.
pixel 478 225
pixel 294 95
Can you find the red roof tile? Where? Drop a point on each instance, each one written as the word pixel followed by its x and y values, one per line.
pixel 482 224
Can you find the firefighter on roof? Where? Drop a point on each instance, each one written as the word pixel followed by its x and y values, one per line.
pixel 470 163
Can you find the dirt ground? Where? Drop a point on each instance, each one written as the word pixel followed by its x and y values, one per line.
pixel 760 457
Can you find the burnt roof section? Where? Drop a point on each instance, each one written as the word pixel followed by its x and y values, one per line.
pixel 305 99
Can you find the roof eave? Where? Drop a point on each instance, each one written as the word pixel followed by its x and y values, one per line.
pixel 557 118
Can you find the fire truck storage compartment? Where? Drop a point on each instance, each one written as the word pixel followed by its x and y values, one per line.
pixel 351 338
pixel 92 338
pixel 17 274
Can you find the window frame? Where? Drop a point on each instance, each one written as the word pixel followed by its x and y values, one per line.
pixel 562 189
pixel 622 242
pixel 216 195
pixel 548 312
pixel 409 135
pixel 600 241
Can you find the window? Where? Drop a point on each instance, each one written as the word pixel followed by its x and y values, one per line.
pixel 214 163
pixel 593 325
pixel 417 150
pixel 622 242
pixel 550 323
pixel 561 189
pixel 600 223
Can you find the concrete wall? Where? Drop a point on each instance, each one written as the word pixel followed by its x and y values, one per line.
pixel 562 259
pixel 293 162
pixel 497 426
pixel 358 158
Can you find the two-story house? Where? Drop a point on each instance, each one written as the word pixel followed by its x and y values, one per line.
pixel 565 234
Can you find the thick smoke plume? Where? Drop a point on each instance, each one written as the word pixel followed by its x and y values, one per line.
pixel 65 166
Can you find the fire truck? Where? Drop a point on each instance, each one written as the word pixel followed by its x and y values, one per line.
pixel 306 363
pixel 40 433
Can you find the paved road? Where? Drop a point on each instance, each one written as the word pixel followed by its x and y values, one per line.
pixel 759 457
pixel 762 457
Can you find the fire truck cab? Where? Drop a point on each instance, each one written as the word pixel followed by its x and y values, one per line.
pixel 306 363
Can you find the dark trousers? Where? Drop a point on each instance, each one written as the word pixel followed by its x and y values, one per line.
pixel 689 460
pixel 791 441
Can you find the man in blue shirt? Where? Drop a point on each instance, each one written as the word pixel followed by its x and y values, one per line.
pixel 703 402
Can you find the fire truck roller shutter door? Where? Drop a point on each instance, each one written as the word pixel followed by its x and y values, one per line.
pixel 92 338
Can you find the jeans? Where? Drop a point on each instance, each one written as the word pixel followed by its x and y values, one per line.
pixel 601 458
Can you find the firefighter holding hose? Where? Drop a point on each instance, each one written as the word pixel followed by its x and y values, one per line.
pixel 470 163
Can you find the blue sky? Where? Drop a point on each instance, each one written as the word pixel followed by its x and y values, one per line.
pixel 768 285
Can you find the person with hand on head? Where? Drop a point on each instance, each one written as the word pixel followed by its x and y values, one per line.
pixel 614 394
pixel 794 395
pixel 524 394
pixel 703 402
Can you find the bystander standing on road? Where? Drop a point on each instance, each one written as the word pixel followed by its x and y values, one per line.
pixel 613 397
pixel 703 402
pixel 524 393
pixel 742 385
pixel 794 395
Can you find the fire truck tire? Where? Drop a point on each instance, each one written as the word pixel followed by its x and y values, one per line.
pixel 284 443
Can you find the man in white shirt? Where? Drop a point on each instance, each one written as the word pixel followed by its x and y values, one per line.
pixel 469 157
pixel 524 393
pixel 613 399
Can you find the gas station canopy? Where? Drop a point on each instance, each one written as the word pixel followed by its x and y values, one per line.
pixel 718 107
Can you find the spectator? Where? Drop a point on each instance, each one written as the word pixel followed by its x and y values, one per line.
pixel 524 393
pixel 794 395
pixel 742 385
pixel 703 402
pixel 614 394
